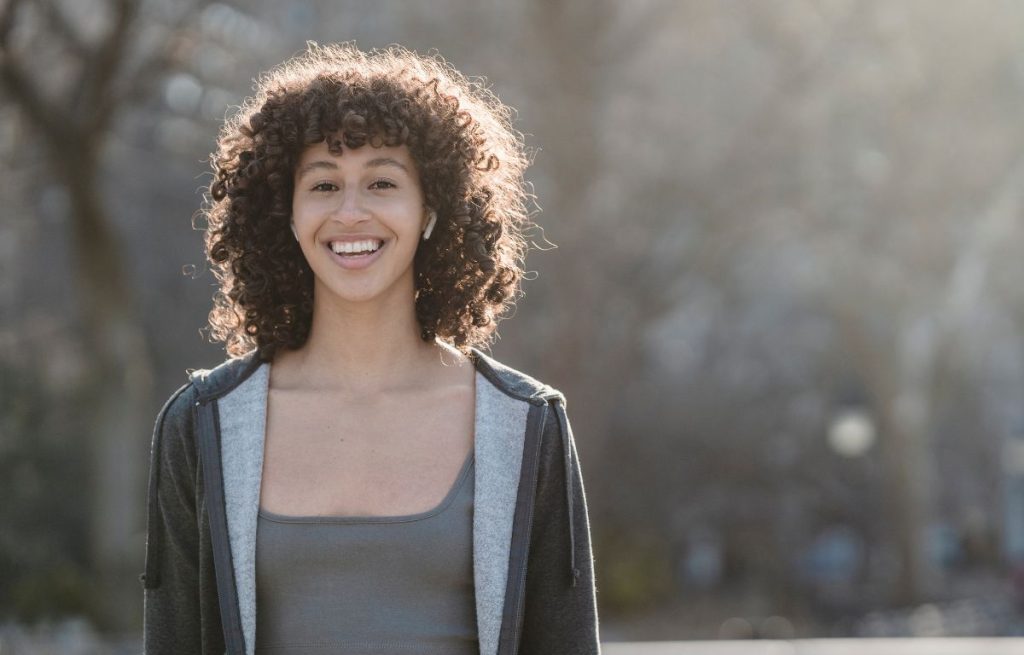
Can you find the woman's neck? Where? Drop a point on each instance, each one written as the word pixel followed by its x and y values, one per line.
pixel 367 348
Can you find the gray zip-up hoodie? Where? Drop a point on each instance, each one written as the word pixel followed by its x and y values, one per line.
pixel 532 562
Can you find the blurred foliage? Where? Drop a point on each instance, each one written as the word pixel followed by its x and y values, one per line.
pixel 634 571
pixel 44 483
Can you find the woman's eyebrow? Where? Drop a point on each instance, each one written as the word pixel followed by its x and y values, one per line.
pixel 313 165
pixel 386 161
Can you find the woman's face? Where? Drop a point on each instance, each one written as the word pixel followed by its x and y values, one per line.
pixel 358 217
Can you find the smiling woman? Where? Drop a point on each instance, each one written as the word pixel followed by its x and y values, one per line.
pixel 358 476
pixel 458 148
pixel 364 211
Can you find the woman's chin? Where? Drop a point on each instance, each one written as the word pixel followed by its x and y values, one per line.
pixel 360 294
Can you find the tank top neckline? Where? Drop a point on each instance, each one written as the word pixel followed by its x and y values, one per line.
pixel 460 480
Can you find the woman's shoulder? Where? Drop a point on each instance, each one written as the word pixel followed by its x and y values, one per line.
pixel 513 382
pixel 177 408
pixel 218 380
pixel 203 384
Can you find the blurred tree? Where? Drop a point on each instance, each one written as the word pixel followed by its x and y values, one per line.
pixel 100 58
pixel 907 261
pixel 844 188
pixel 772 169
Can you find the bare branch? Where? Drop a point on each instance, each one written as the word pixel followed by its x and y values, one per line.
pixel 42 114
pixel 138 83
pixel 7 22
pixel 104 67
pixel 59 23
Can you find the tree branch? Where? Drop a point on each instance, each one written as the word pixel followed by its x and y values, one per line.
pixel 41 113
pixel 7 22
pixel 104 67
pixel 59 23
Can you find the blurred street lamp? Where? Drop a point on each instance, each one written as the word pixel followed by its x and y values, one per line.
pixel 852 432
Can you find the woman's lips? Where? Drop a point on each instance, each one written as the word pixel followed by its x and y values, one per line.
pixel 355 262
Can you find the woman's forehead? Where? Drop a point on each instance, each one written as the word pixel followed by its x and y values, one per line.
pixel 366 155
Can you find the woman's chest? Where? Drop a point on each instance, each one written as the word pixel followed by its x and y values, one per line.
pixel 393 456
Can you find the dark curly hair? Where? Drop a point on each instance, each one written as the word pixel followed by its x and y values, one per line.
pixel 471 164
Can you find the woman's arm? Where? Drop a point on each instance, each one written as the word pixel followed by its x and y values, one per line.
pixel 560 612
pixel 171 581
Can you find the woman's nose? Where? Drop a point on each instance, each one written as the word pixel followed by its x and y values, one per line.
pixel 351 209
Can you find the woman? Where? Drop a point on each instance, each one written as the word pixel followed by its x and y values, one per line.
pixel 358 477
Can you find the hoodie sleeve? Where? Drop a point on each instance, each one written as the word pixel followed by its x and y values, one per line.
pixel 560 611
pixel 171 580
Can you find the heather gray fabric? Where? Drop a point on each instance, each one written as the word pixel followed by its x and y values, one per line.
pixel 499 435
pixel 351 585
pixel 243 424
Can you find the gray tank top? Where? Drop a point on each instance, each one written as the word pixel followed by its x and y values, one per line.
pixel 380 584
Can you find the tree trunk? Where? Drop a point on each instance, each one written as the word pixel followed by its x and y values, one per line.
pixel 118 392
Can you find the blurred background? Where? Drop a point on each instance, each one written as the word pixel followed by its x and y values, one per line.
pixel 785 303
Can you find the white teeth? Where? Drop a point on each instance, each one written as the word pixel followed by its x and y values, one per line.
pixel 340 247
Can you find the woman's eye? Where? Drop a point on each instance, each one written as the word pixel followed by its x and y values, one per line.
pixel 324 186
pixel 382 184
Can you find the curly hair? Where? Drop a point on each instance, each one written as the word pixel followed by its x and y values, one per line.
pixel 471 164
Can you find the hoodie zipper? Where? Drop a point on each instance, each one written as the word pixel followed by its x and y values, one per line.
pixel 208 424
pixel 534 466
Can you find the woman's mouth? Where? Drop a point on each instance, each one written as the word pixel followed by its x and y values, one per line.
pixel 356 254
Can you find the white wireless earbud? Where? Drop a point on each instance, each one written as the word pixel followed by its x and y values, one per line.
pixel 294 232
pixel 430 225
